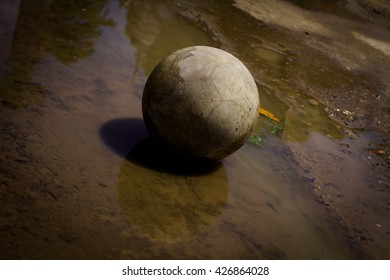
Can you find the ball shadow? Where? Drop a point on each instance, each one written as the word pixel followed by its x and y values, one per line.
pixel 153 155
pixel 121 135
pixel 129 139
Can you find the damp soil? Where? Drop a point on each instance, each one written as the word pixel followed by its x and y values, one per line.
pixel 81 179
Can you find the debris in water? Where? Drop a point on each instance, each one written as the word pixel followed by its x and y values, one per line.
pixel 264 112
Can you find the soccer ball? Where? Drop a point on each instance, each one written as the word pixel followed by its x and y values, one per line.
pixel 201 103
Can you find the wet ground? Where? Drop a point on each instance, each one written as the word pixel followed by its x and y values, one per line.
pixel 81 179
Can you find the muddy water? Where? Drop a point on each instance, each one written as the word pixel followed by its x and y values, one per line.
pixel 81 179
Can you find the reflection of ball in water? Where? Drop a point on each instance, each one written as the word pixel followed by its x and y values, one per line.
pixel 166 201
pixel 201 102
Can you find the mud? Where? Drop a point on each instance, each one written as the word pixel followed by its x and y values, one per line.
pixel 79 179
pixel 330 65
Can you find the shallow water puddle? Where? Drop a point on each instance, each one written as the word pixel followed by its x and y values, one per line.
pixel 80 177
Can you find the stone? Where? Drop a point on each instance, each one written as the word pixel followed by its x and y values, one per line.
pixel 313 102
pixel 201 103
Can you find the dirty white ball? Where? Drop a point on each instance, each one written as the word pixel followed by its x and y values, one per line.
pixel 201 102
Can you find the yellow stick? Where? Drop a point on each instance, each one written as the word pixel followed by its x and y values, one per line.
pixel 264 112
